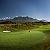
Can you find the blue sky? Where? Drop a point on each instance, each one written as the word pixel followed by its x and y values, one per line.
pixel 39 9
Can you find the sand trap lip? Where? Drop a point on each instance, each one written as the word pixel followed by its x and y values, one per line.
pixel 6 31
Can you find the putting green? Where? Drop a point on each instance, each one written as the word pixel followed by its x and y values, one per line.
pixel 22 38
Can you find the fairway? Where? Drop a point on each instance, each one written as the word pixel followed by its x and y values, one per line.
pixel 21 39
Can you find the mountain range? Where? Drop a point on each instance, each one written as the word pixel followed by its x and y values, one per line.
pixel 20 19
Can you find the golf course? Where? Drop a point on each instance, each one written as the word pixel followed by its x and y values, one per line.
pixel 31 39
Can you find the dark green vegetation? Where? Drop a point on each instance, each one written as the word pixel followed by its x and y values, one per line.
pixel 21 26
pixel 25 36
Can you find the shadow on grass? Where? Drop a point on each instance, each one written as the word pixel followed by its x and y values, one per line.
pixel 46 32
pixel 33 47
pixel 39 46
pixel 30 47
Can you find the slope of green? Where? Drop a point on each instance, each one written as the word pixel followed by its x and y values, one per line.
pixel 26 39
pixel 23 38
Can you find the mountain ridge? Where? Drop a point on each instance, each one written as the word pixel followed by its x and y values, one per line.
pixel 21 19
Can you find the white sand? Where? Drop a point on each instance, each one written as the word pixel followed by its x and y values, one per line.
pixel 6 31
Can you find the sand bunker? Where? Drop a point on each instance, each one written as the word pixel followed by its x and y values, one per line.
pixel 6 31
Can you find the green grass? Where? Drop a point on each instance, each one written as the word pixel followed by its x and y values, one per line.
pixel 25 40
pixel 21 39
